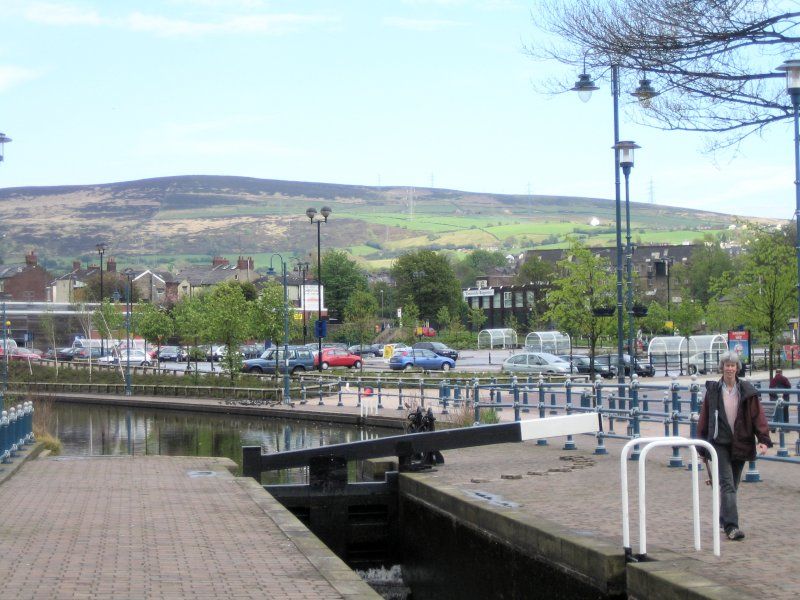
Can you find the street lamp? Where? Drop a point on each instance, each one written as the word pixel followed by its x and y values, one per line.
pixel 3 141
pixel 101 249
pixel 302 268
pixel 320 327
pixel 381 304
pixel 626 162
pixel 128 310
pixel 271 271
pixel 792 68
pixel 645 93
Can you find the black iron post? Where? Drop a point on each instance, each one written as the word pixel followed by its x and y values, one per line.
pixel 101 249
pixel 302 268
pixel 324 213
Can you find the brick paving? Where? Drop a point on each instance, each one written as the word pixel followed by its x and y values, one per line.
pixel 156 527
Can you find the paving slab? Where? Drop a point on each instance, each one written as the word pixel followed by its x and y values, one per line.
pixel 156 527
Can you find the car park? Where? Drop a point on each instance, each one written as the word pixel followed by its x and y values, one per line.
pixel 581 362
pixel 642 369
pixel 300 359
pixel 336 357
pixel 172 353
pixel 536 363
pixel 86 353
pixel 366 350
pixel 65 354
pixel 409 358
pixel 437 347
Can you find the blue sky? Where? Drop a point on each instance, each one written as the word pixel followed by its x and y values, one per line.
pixel 372 92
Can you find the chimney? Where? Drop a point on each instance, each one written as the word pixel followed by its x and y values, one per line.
pixel 250 263
pixel 111 265
pixel 31 259
pixel 76 265
pixel 218 261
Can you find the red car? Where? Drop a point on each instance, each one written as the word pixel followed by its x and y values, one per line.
pixel 334 357
pixel 24 354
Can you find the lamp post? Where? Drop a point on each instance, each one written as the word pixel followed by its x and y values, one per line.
pixel 320 327
pixel 302 268
pixel 626 162
pixel 128 309
pixel 792 68
pixel 3 141
pixel 644 93
pixel 271 271
pixel 101 249
pixel 381 304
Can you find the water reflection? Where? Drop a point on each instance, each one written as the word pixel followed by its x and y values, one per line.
pixel 108 430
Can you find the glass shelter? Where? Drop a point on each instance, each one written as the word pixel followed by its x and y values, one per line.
pixel 553 342
pixel 693 354
pixel 497 338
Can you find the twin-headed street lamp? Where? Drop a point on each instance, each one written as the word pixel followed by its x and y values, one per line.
pixel 271 271
pixel 792 68
pixel 101 249
pixel 644 93
pixel 320 327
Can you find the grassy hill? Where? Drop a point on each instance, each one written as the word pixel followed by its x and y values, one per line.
pixel 169 220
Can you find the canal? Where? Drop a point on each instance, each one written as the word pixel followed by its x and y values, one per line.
pixel 92 430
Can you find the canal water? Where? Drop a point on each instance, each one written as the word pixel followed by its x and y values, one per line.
pixel 91 430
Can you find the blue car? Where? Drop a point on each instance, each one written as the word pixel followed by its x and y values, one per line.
pixel 409 358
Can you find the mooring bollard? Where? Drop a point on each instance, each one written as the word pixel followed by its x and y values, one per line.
pixel 400 394
pixel 12 431
pixel 4 445
pixel 321 403
pixel 358 392
pixel 515 395
pixel 600 448
pixel 542 441
pixel 302 391
pixel 633 411
pixel 444 395
pixel 339 386
pixel 380 393
pixel 422 392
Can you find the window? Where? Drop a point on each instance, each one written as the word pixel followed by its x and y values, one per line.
pixel 530 298
pixel 507 299
pixel 497 300
pixel 518 299
pixel 485 301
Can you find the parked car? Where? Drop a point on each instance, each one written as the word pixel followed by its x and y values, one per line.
pixel 535 363
pixel 366 350
pixel 437 347
pixel 702 362
pixel 215 352
pixel 24 354
pixel 172 353
pixel 387 350
pixel 65 353
pixel 251 351
pixel 85 353
pixel 409 358
pixel 137 358
pixel 642 369
pixel 336 357
pixel 300 359
pixel 580 364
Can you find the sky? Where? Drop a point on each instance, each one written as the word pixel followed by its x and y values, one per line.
pixel 414 93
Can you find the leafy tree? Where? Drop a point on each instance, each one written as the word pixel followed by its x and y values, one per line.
pixel 428 279
pixel 443 318
pixel 476 318
pixel 189 322
pixel 586 283
pixel 341 277
pixel 762 290
pixel 227 320
pixel 267 315
pixel 655 322
pixel 108 320
pixel 154 324
pixel 385 297
pixel 113 281
pixel 409 321
pixel 534 269
pixel 360 315
pixel 703 54
pixel 476 263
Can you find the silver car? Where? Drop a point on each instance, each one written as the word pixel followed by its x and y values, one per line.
pixel 536 363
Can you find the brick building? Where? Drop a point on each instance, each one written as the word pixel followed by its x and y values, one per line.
pixel 24 282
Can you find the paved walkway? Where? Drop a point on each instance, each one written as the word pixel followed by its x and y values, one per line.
pixel 156 527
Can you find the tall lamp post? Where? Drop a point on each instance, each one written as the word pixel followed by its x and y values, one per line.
pixel 271 271
pixel 792 68
pixel 101 249
pixel 128 310
pixel 320 327
pixel 6 324
pixel 644 93
pixel 302 268
pixel 626 162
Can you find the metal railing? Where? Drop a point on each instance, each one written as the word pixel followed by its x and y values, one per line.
pixel 16 430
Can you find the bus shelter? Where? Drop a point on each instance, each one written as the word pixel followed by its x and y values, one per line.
pixel 693 354
pixel 497 338
pixel 553 342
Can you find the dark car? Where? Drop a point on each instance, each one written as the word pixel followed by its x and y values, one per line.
pixel 251 351
pixel 366 350
pixel 174 353
pixel 65 353
pixel 642 369
pixel 438 348
pixel 580 364
pixel 300 359
pixel 86 353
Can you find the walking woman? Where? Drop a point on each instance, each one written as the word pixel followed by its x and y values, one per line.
pixel 733 421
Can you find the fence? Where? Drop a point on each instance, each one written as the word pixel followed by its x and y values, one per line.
pixel 16 430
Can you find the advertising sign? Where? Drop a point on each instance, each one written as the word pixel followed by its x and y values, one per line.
pixel 739 342
pixel 309 299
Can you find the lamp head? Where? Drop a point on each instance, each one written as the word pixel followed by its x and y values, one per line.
pixel 584 86
pixel 3 141
pixel 311 213
pixel 645 92
pixel 326 211
pixel 626 149
pixel 101 248
pixel 271 270
pixel 792 68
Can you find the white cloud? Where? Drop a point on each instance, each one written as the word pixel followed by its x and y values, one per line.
pixel 11 76
pixel 426 25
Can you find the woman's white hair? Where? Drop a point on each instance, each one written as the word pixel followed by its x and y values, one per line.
pixel 730 357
